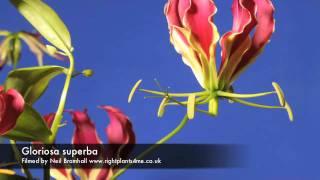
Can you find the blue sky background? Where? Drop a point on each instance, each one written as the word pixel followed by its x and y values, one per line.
pixel 123 41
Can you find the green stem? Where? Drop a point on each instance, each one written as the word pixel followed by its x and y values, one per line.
pixel 161 141
pixel 19 158
pixel 247 103
pixel 234 95
pixel 173 94
pixel 63 98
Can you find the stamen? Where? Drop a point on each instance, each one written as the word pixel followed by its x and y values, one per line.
pixel 162 106
pixel 158 84
pixel 247 103
pixel 279 93
pixel 173 94
pixel 289 111
pixel 235 95
pixel 133 90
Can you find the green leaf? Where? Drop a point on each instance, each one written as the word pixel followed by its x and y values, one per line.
pixel 46 21
pixel 32 82
pixel 191 106
pixel 30 127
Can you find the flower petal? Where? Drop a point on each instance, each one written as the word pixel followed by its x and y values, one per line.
pixel 171 11
pixel 199 20
pixel 85 133
pixel 119 131
pixel 239 49
pixel 11 106
pixel 262 35
pixel 189 56
pixel 179 36
pixel 237 41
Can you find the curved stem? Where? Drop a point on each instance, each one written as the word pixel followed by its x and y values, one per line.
pixel 247 103
pixel 63 98
pixel 235 95
pixel 173 94
pixel 19 158
pixel 161 141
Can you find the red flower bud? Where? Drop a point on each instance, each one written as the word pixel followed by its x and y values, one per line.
pixel 11 106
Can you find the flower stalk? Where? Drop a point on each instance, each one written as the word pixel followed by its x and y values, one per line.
pixel 58 118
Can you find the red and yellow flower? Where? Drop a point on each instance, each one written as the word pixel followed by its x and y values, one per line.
pixel 195 36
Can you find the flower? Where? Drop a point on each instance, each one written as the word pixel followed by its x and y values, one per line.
pixel 11 106
pixel 194 36
pixel 11 46
pixel 119 131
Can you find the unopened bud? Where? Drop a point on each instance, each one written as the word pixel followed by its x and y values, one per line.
pixel 87 72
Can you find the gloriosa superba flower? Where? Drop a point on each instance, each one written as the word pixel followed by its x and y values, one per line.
pixel 195 36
